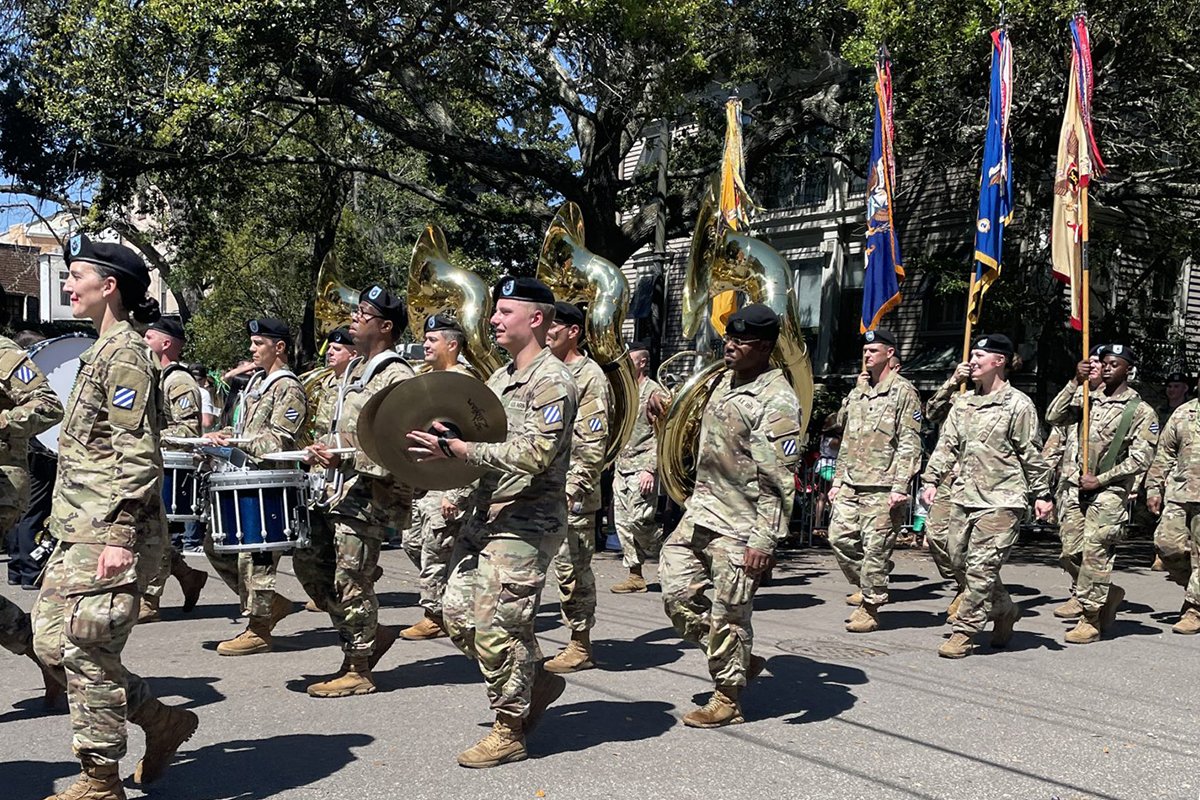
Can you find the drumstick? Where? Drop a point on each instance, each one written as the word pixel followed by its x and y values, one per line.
pixel 299 455
pixel 199 440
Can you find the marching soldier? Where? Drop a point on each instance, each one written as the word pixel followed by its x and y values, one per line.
pixel 1121 440
pixel 990 442
pixel 28 406
pixel 589 438
pixel 270 414
pixel 429 541
pixel 738 513
pixel 1173 491
pixel 183 406
pixel 514 521
pixel 108 518
pixel 1172 543
pixel 937 522
pixel 360 502
pixel 880 453
pixel 635 482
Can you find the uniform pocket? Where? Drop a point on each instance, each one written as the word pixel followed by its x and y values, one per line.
pixel 93 620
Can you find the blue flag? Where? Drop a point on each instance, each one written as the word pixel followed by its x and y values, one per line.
pixel 881 282
pixel 995 183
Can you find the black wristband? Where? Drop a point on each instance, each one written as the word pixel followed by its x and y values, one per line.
pixel 444 444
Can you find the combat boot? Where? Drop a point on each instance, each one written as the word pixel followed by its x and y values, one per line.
pixel 575 657
pixel 1069 610
pixel 53 689
pixel 1158 565
pixel 95 782
pixel 1189 623
pixel 854 599
pixel 166 728
pixel 506 743
pixel 191 582
pixel 866 621
pixel 959 645
pixel 1086 631
pixel 311 605
pixel 385 637
pixel 634 584
pixel 1108 613
pixel 952 609
pixel 354 679
pixel 722 709
pixel 149 610
pixel 280 608
pixel 255 639
pixel 547 687
pixel 431 626
pixel 1002 628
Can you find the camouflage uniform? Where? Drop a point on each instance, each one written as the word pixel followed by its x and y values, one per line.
pixel 107 493
pixel 1106 511
pixel 429 541
pixel 1062 459
pixel 880 453
pixel 1175 477
pixel 182 408
pixel 747 450
pixel 271 414
pixel 514 519
pixel 28 406
pixel 992 441
pixel 1172 538
pixel 937 521
pixel 633 511
pixel 356 510
pixel 589 439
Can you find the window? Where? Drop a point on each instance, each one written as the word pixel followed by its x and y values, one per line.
pixel 807 285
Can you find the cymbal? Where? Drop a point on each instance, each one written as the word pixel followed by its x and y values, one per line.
pixel 463 404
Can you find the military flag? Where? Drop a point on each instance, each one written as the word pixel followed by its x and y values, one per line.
pixel 995 182
pixel 1078 159
pixel 734 200
pixel 884 270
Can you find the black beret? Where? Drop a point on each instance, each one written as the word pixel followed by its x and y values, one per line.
pixel 340 336
pixel 108 254
pixel 1179 377
pixel 1098 351
pixel 1121 351
pixel 390 306
pixel 442 322
pixel 530 290
pixel 169 326
pixel 880 336
pixel 639 345
pixel 568 313
pixel 996 343
pixel 270 327
pixel 754 321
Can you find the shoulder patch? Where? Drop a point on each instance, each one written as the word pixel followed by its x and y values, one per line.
pixel 128 393
pixel 917 415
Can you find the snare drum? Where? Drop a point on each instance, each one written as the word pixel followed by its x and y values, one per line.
pixel 259 510
pixel 181 487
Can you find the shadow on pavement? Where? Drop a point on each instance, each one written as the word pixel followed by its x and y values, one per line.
pixel 799 690
pixel 641 653
pixel 34 778
pixel 791 601
pixel 581 726
pixel 452 668
pixel 257 769
pixel 197 692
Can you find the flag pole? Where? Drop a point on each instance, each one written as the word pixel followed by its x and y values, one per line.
pixel 1085 313
pixel 966 353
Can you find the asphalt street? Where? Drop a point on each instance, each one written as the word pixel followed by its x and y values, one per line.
pixel 836 715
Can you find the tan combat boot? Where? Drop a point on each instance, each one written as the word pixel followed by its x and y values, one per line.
pixel 722 709
pixel 854 599
pixel 311 605
pixel 575 657
pixel 149 610
pixel 506 743
pixel 191 582
pixel 952 609
pixel 166 728
pixel 53 689
pixel 547 687
pixel 431 626
pixel 95 782
pixel 1158 565
pixel 1108 613
pixel 865 621
pixel 280 608
pixel 1189 623
pixel 634 584
pixel 1002 628
pixel 355 679
pixel 1069 610
pixel 1086 631
pixel 959 645
pixel 255 639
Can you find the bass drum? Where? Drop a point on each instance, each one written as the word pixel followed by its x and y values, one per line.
pixel 58 358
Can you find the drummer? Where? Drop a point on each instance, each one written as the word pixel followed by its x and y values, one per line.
pixel 181 410
pixel 270 416
pixel 359 504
